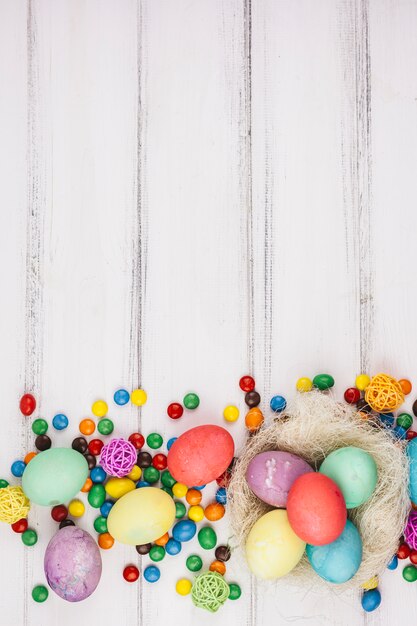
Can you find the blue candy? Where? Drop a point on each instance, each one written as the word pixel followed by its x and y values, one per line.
pixel 121 397
pixel 200 488
pixel 173 547
pixel 98 475
pixel 60 421
pixel 371 600
pixel 387 419
pixel 399 432
pixel 221 495
pixel 105 507
pixel 17 468
pixel 170 442
pixel 184 530
pixel 142 483
pixel 278 404
pixel 151 573
pixel 393 564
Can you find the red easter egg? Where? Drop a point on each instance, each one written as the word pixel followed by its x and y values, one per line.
pixel 316 509
pixel 200 455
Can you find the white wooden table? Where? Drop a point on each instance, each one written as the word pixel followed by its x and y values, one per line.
pixel 193 190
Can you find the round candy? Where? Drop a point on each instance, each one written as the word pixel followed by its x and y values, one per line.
pixel 410 573
pixel 194 563
pixel 87 485
pixel 20 526
pixel 60 422
pixel 3 483
pixel 355 473
pixel 221 495
pixel 130 573
pixel 254 419
pixel 179 490
pixel 371 600
pixel 40 426
pixel 54 476
pixel 27 404
pixel 183 587
pixel 80 445
pixel 338 561
pixel 362 381
pixel 170 442
pixel 234 591
pixel 151 574
pixel 91 460
pixel 231 413
pixel 272 547
pixel 193 496
pixel 72 564
pixel 323 381
pixel 270 475
pixel 393 564
pixel 59 512
pixel 154 441
pixel 159 461
pixel 207 538
pixel 105 426
pixel 43 442
pixel 138 397
pixel 218 566
pixel 143 483
pixel 105 541
pixel 106 507
pixel 135 473
pixel 141 516
pixel 29 537
pixel 173 547
pixel 118 487
pixel 410 435
pixel 252 398
pixel 99 408
pixel 372 583
pixel 387 419
pixel 87 427
pixel 138 440
pixel 144 459
pixel 200 455
pixel 247 383
pixel 352 395
pixel 278 404
pixel 404 420
pixel 162 541
pixel 29 456
pixel 413 557
pixel 316 509
pixel 98 475
pixel 406 386
pixel 157 553
pixel 399 432
pixel 403 551
pixel 175 410
pixel 167 480
pixel 121 397
pixel 144 548
pixel 40 593
pixel 151 475
pixel 222 553
pixel 184 530
pixel 304 384
pixel 66 522
pixel 17 468
pixel 100 524
pixel 196 513
pixel 180 510
pixel 191 401
pixel 96 495
pixel 214 511
pixel 76 508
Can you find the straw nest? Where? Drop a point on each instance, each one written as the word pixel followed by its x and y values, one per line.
pixel 312 427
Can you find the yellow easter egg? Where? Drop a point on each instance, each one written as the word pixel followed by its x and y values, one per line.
pixel 118 487
pixel 141 516
pixel 272 547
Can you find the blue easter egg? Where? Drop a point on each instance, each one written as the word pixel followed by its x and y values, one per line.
pixel 221 495
pixel 338 561
pixel 393 564
pixel 278 404
pixel 121 397
pixel 105 508
pixel 60 422
pixel 371 600
pixel 17 468
pixel 98 475
pixel 184 530
pixel 151 573
pixel 173 547
pixel 411 450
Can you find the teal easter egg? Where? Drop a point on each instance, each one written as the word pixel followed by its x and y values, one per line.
pixel 354 471
pixel 338 561
pixel 54 476
pixel 411 450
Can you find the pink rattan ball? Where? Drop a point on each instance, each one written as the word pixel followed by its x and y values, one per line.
pixel 118 457
pixel 410 532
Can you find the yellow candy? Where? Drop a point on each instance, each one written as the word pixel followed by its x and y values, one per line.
pixel 76 508
pixel 135 473
pixel 231 413
pixel 183 587
pixel 196 513
pixel 138 397
pixel 304 384
pixel 118 487
pixel 372 583
pixel 179 490
pixel 99 408
pixel 362 381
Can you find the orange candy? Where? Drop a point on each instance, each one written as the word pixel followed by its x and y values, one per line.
pixel 406 386
pixel 87 485
pixel 29 457
pixel 162 541
pixel 218 566
pixel 193 496
pixel 254 419
pixel 87 427
pixel 214 511
pixel 105 541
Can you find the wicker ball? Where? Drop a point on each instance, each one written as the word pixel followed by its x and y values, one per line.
pixel 384 393
pixel 118 457
pixel 210 591
pixel 410 531
pixel 14 505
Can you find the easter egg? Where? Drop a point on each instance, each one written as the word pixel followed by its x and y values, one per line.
pixel 271 474
pixel 316 509
pixel 411 450
pixel 272 547
pixel 338 561
pixel 54 476
pixel 72 564
pixel 141 516
pixel 354 471
pixel 200 455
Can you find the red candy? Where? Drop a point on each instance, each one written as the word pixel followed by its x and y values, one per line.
pixel 411 434
pixel 95 446
pixel 175 410
pixel 27 404
pixel 20 526
pixel 413 557
pixel 130 573
pixel 159 461
pixel 59 512
pixel 138 440
pixel 403 551
pixel 224 479
pixel 352 395
pixel 247 383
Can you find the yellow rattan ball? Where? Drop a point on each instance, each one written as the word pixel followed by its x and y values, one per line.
pixel 384 393
pixel 14 505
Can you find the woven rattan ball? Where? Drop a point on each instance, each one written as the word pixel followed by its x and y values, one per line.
pixel 14 505
pixel 384 393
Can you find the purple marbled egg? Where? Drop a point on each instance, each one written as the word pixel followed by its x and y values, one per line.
pixel 72 564
pixel 270 475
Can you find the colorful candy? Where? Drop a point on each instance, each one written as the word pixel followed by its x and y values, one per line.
pixel 60 421
pixel 207 538
pixel 40 593
pixel 191 401
pixel 175 410
pixel 231 413
pixel 121 397
pixel 130 573
pixel 27 404
pixel 138 397
pixel 99 408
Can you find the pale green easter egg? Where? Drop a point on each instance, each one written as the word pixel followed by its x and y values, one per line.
pixel 54 476
pixel 354 471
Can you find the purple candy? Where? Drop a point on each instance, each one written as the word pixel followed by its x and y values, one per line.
pixel 271 474
pixel 72 564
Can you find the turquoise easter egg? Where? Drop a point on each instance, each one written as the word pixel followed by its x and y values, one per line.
pixel 338 561
pixel 411 450
pixel 54 476
pixel 355 473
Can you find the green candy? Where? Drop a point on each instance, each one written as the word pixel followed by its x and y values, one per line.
pixel 410 573
pixel 194 563
pixel 207 538
pixel 167 479
pixel 105 426
pixel 323 381
pixel 40 593
pixel 157 553
pixel 151 474
pixel 191 401
pixel 180 509
pixel 3 483
pixel 29 537
pixel 404 420
pixel 96 496
pixel 154 441
pixel 100 524
pixel 40 426
pixel 234 591
pixel 168 490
